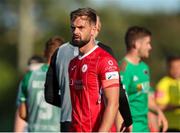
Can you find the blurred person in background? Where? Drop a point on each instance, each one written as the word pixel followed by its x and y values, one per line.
pixel 58 80
pixel 40 116
pixel 135 76
pixel 168 93
pixel 33 63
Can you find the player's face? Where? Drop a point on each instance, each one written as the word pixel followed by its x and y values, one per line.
pixel 175 69
pixel 144 46
pixel 82 31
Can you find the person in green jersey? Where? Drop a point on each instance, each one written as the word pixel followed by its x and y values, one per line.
pixel 40 116
pixel 136 80
pixel 168 93
pixel 33 63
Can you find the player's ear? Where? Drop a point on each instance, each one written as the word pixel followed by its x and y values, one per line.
pixel 94 30
pixel 134 45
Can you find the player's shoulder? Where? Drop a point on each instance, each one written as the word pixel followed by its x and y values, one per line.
pixel 66 49
pixel 44 67
pixel 104 54
pixel 64 46
pixel 164 83
pixel 27 76
pixel 74 60
pixel 106 59
pixel 166 79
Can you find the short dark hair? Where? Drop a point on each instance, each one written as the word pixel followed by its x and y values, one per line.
pixel 134 33
pixel 51 45
pixel 171 58
pixel 89 12
pixel 35 59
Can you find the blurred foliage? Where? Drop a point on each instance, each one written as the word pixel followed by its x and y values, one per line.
pixel 52 18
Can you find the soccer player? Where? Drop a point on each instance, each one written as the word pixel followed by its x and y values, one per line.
pixel 93 76
pixel 33 63
pixel 40 116
pixel 168 93
pixel 136 80
pixel 58 79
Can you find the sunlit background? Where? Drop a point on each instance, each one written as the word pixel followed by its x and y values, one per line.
pixel 25 25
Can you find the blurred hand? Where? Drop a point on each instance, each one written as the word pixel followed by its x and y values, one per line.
pixel 162 121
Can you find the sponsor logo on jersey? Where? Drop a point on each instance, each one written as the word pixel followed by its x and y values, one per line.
pixel 38 84
pixel 73 68
pixel 112 75
pixel 84 68
pixel 110 62
pixel 111 68
pixel 144 87
pixel 78 84
pixel 139 87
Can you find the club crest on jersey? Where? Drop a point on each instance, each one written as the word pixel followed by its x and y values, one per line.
pixel 84 68
pixel 112 75
pixel 110 62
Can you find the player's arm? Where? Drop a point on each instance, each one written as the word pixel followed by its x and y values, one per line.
pixel 19 124
pixel 23 111
pixel 109 76
pixel 118 121
pixel 162 99
pixel 124 108
pixel 23 94
pixel 162 121
pixel 123 102
pixel 162 96
pixel 111 95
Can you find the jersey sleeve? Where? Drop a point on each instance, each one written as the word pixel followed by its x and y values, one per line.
pixel 23 88
pixel 19 94
pixel 108 72
pixel 162 96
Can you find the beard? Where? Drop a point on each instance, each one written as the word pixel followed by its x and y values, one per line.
pixel 79 43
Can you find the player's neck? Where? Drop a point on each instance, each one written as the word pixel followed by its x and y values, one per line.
pixel 86 48
pixel 133 58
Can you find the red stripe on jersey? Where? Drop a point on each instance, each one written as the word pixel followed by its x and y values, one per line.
pixel 110 83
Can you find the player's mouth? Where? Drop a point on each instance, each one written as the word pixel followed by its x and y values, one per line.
pixel 75 37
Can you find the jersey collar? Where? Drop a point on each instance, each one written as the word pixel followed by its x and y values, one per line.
pixel 94 48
